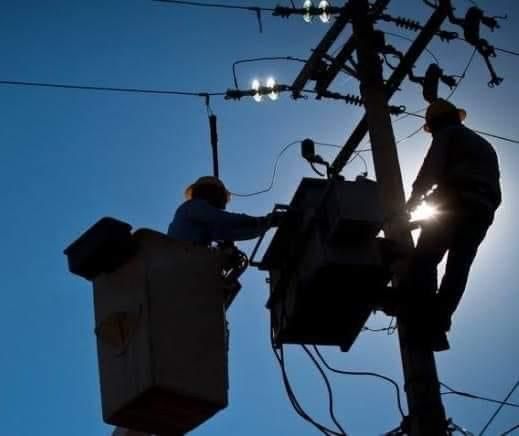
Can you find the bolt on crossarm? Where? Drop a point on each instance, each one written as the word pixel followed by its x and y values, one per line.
pixel 427 415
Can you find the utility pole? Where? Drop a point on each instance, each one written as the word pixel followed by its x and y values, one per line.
pixel 426 412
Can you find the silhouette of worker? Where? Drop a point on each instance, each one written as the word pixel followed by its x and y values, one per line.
pixel 464 169
pixel 202 218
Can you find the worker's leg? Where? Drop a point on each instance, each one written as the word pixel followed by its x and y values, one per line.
pixel 432 245
pixel 469 234
pixel 421 284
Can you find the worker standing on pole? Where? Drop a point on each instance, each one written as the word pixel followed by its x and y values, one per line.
pixel 461 169
pixel 202 218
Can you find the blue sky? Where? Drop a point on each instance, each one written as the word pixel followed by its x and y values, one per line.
pixel 70 157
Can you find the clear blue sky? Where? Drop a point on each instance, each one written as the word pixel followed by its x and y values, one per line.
pixel 70 157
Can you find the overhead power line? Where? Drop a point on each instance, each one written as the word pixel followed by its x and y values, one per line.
pixel 475 397
pixel 111 89
pixel 201 94
pixel 510 430
pixel 217 5
pixel 498 409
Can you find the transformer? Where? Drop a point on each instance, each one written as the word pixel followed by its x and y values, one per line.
pixel 160 326
pixel 325 264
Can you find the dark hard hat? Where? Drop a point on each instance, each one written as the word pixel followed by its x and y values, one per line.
pixel 440 108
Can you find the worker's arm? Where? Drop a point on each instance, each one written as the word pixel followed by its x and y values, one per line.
pixel 432 168
pixel 227 226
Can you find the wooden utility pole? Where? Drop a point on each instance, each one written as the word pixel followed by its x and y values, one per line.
pixel 426 412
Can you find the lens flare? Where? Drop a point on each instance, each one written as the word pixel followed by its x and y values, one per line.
pixel 424 211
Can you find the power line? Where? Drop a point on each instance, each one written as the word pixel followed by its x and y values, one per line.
pixel 498 409
pixel 328 388
pixel 475 397
pixel 261 59
pixel 217 5
pixel 502 138
pixel 503 50
pixel 364 373
pixel 398 35
pixel 510 430
pixel 110 89
pixel 481 132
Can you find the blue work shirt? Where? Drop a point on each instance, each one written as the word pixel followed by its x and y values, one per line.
pixel 199 222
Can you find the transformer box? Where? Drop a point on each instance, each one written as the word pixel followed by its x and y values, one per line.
pixel 325 263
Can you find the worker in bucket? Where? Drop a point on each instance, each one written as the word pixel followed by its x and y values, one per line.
pixel 461 170
pixel 202 218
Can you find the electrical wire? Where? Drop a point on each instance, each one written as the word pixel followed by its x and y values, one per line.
pixel 498 409
pixel 274 172
pixel 364 373
pixel 216 5
pixel 463 75
pixel 510 430
pixel 502 138
pixel 110 89
pixel 261 59
pixel 475 397
pixel 397 35
pixel 276 165
pixel 328 388
pixel 291 396
pixel 383 329
pixel 503 50
pixel 406 138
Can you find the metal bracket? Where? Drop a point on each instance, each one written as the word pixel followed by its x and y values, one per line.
pixel 252 262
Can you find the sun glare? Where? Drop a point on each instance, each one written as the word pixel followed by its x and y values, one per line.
pixel 424 211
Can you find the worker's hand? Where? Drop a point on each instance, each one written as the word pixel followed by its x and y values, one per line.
pixel 412 203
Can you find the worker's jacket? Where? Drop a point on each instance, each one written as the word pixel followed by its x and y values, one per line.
pixel 197 221
pixel 465 168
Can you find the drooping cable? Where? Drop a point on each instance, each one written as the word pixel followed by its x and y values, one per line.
pixel 276 165
pixel 328 388
pixel 364 373
pixel 291 395
pixel 274 172
pixel 494 415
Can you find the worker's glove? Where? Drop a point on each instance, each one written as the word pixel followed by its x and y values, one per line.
pixel 412 203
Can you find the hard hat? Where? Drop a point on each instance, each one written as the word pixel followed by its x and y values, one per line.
pixel 439 108
pixel 207 180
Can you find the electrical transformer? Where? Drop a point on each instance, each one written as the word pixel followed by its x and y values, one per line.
pixel 160 326
pixel 325 264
